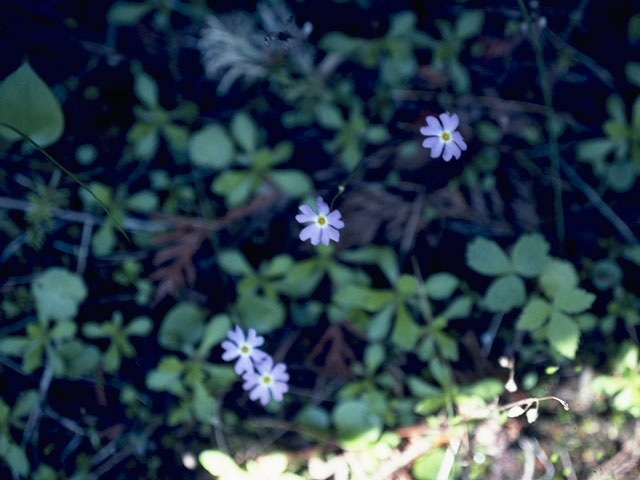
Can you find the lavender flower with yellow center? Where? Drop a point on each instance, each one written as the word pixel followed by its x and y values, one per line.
pixel 443 137
pixel 324 226
pixel 269 381
pixel 244 349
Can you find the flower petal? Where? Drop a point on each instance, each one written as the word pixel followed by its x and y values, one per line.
pixel 333 234
pixel 430 142
pixel 315 235
pixel 430 131
pixel 434 123
pixel 250 380
pixel 236 335
pixel 437 150
pixel 309 232
pixel 278 390
pixel 459 140
pixel 243 365
pixel 266 365
pixel 323 208
pixel 307 215
pixel 324 235
pixel 455 149
pixel 449 122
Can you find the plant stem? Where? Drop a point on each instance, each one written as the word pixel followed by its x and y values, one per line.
pixel 553 137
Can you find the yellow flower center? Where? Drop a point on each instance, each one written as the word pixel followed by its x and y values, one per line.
pixel 321 220
pixel 445 136
pixel 266 379
pixel 244 349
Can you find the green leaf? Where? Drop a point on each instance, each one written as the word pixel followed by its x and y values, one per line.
pixel 58 293
pixel 533 315
pixel 214 332
pixel 558 275
pixel 459 308
pixel 486 257
pixel 234 263
pixel 573 300
pixel 79 359
pixel 146 89
pixel 616 109
pixel 374 356
pixel 406 285
pixel 182 327
pixel 211 147
pixel 384 257
pixel 104 240
pixel 427 466
pixel 262 313
pixel 313 417
pixel 167 376
pixel 469 24
pixel 563 334
pixel 139 327
pixel 204 405
pixel 329 116
pixel 17 460
pixel 530 255
pixel 128 13
pixel 359 296
pixel 380 323
pixel 221 465
pixel 27 104
pixel 632 70
pixel 621 176
pixel 294 183
pixel 441 286
pixel 14 346
pixel 235 185
pixel 405 332
pixel 357 425
pixel 145 201
pixel 377 134
pixel 244 131
pixel 63 330
pixel 504 294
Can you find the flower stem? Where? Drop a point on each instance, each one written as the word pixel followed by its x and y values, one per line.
pixel 550 114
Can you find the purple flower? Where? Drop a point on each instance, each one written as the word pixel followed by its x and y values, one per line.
pixel 244 349
pixel 443 137
pixel 268 381
pixel 325 224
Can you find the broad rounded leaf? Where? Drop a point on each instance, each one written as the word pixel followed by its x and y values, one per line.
pixel 533 315
pixel 182 327
pixel 486 257
pixel 563 334
pixel 221 465
pixel 139 326
pixel 573 300
pixel 211 147
pixel 358 426
pixel 504 294
pixel 214 332
pixel 556 276
pixel 128 13
pixel 294 183
pixel 428 465
pixel 27 103
pixel 57 293
pixel 262 313
pixel 244 131
pixel 329 116
pixel 441 285
pixel 530 255
pixel 146 89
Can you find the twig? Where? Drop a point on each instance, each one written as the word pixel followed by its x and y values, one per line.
pixel 449 459
pixel 83 251
pixel 597 202
pixel 553 137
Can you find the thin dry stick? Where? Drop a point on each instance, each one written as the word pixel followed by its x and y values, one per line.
pixel 553 137
pixel 597 202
